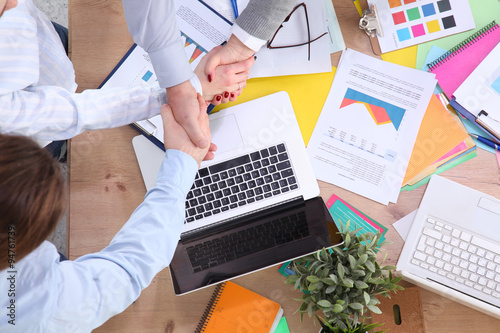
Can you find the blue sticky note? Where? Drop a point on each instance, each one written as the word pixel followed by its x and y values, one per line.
pixel 428 9
pixel 147 76
pixel 496 85
pixel 403 34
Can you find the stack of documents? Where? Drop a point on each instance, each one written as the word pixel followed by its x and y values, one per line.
pixel 442 141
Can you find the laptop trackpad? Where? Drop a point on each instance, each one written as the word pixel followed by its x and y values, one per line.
pixel 486 219
pixel 225 133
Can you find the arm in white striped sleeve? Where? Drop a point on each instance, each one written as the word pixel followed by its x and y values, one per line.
pixel 52 113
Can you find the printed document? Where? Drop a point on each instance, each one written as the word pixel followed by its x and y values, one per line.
pixel 367 129
pixel 200 24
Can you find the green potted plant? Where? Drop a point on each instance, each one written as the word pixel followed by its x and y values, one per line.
pixel 343 282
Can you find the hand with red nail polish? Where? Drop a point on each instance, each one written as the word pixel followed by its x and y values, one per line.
pixel 229 81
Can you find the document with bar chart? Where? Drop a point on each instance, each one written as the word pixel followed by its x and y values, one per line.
pixel 367 129
pixel 136 68
pixel 410 22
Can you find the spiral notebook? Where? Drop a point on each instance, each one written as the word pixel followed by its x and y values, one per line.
pixel 459 62
pixel 234 308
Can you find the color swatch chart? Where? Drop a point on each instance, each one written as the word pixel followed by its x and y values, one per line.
pixel 411 22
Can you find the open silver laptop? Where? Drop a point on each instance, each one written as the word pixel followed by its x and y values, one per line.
pixel 255 205
pixel 453 246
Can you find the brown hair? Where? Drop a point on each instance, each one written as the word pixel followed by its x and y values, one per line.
pixel 32 197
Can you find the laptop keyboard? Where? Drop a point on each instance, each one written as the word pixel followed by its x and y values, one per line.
pixel 456 254
pixel 248 241
pixel 241 181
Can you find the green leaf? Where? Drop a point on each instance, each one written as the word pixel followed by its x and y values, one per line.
pixel 376 280
pixel 362 259
pixel 366 297
pixel 370 266
pixel 356 306
pixel 328 281
pixel 396 279
pixel 352 261
pixel 324 254
pixel 324 303
pixel 347 283
pixel 374 309
pixel 337 308
pixel 340 270
pixel 312 279
pixel 297 283
pixel 334 278
pixel 360 285
pixel 347 240
pixel 330 289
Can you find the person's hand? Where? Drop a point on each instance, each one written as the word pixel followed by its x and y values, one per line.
pixel 229 80
pixel 234 51
pixel 184 103
pixel 175 136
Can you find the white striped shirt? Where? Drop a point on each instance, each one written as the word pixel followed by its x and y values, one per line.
pixel 37 85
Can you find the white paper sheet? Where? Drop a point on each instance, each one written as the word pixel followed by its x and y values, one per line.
pixel 403 225
pixel 270 62
pixel 366 131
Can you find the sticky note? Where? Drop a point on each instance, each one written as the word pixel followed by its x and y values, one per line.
pixel 448 22
pixel 394 3
pixel 428 9
pixel 413 14
pixel 399 18
pixel 418 30
pixel 403 34
pixel 444 5
pixel 433 26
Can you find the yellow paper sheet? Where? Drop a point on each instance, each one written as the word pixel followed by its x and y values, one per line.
pixel 404 57
pixel 307 92
pixel 438 134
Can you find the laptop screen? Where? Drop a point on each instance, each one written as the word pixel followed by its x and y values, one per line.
pixel 252 243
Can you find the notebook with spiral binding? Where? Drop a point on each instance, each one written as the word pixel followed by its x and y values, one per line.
pixel 458 63
pixel 234 308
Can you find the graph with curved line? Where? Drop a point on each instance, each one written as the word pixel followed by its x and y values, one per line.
pixel 381 112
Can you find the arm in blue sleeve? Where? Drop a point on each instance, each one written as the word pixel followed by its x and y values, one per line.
pixel 97 286
pixel 153 26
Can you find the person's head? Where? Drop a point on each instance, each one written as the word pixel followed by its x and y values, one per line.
pixel 32 197
pixel 5 5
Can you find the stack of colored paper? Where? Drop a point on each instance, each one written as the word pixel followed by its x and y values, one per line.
pixel 442 143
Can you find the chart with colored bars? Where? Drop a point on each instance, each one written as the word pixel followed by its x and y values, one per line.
pixel 193 50
pixel 381 112
pixel 377 120
pixel 410 22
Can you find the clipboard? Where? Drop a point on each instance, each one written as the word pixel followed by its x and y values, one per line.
pixel 370 23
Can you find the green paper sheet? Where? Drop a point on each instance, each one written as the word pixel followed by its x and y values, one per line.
pixel 454 162
pixel 282 326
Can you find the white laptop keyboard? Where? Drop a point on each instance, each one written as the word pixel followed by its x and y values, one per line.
pixel 460 256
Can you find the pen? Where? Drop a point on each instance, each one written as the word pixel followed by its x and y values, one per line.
pixel 486 141
pixel 235 8
pixel 210 107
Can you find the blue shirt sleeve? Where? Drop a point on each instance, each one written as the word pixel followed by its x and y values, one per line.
pixel 97 286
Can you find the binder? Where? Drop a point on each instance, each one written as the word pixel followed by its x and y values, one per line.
pixel 233 308
pixel 459 62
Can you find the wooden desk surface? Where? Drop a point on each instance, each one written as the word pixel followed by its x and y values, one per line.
pixel 106 186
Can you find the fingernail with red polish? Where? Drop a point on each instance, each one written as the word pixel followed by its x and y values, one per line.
pixel 209 77
pixel 226 94
pixel 232 95
pixel 218 98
